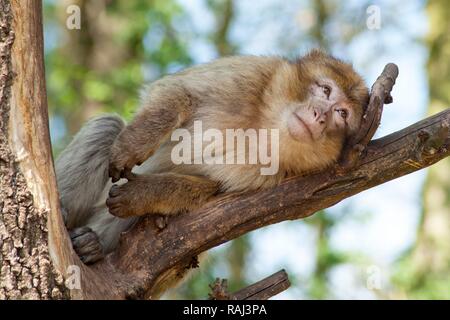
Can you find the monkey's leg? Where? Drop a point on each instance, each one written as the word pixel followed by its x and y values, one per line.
pixel 165 193
pixel 166 108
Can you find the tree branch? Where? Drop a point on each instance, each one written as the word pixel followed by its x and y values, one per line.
pixel 148 257
pixel 264 289
pixel 261 290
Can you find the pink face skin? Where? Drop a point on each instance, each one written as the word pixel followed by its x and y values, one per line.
pixel 326 111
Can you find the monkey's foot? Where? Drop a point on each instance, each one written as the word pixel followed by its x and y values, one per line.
pixel 128 199
pixel 86 244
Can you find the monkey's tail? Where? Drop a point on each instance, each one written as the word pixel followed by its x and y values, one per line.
pixel 82 168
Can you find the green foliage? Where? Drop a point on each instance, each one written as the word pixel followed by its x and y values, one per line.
pixel 77 79
pixel 326 256
pixel 418 282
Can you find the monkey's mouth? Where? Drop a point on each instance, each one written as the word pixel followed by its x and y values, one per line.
pixel 304 125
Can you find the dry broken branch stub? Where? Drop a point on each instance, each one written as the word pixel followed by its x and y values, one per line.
pixel 261 290
pixel 379 94
pixel 264 289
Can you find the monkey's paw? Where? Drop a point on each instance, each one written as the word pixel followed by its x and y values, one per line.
pixel 123 159
pixel 127 200
pixel 86 244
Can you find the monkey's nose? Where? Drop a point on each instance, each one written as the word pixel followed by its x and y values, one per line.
pixel 319 116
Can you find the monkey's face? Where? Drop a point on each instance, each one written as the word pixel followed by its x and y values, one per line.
pixel 324 104
pixel 326 112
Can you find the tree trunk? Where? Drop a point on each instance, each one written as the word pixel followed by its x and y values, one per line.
pixel 29 216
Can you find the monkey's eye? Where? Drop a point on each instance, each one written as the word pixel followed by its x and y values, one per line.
pixel 327 90
pixel 343 113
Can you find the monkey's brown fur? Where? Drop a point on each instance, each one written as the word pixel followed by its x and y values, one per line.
pixel 235 92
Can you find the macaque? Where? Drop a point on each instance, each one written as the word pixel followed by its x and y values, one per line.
pixel 314 103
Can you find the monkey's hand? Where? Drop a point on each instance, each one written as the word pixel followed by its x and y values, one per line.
pixel 124 156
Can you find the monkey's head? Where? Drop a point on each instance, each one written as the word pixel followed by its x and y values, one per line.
pixel 324 105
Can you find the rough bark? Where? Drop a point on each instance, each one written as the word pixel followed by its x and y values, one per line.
pixel 27 183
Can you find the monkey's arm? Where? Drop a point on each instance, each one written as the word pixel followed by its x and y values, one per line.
pixel 165 107
pixel 164 193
